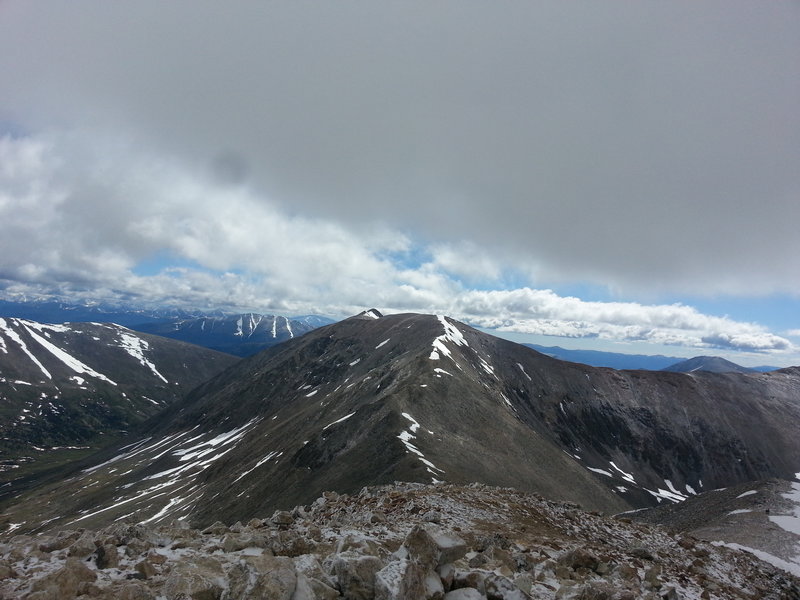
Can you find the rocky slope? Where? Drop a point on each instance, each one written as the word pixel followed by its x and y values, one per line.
pixel 374 399
pixel 762 517
pixel 398 542
pixel 76 386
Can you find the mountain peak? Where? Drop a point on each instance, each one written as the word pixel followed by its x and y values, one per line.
pixel 372 313
pixel 711 364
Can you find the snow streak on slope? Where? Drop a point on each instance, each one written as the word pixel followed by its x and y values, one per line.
pixel 288 327
pixel 15 337
pixel 451 334
pixel 136 347
pixel 407 436
pixel 72 362
pixel 173 491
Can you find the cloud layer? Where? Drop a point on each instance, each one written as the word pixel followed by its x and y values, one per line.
pixel 453 157
pixel 84 222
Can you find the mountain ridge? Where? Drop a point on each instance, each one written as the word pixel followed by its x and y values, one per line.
pixel 69 386
pixel 374 399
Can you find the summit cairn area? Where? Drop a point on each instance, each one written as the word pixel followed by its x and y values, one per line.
pixel 407 541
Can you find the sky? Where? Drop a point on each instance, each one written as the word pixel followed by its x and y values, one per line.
pixel 606 175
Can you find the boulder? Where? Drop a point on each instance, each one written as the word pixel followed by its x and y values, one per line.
pixel 308 588
pixel 83 546
pixel 106 557
pixel 580 558
pixel 400 580
pixel 355 574
pixel 282 518
pixel 431 546
pixel 258 577
pixel 199 579
pixel 146 569
pixel 68 581
pixel 133 591
pixel 501 588
pixel 464 594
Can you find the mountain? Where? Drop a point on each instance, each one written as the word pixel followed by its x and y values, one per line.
pixel 52 311
pixel 65 389
pixel 392 542
pixel 241 335
pixel 613 360
pixel 313 321
pixel 711 364
pixel 376 399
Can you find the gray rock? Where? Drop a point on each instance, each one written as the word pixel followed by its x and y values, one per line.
pixel 82 547
pixel 432 516
pixel 198 579
pixel 431 547
pixel 501 588
pixel 641 552
pixel 146 569
pixel 464 594
pixel 217 528
pixel 355 574
pixel 471 579
pixel 106 557
pixel 258 577
pixel 399 580
pixel 309 588
pixel 434 588
pixel 282 518
pixel 61 541
pixel 66 582
pixel 133 591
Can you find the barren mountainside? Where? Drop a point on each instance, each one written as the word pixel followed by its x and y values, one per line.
pixel 373 400
pixel 68 388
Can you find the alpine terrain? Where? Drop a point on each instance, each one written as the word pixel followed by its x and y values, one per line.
pixel 241 335
pixel 376 399
pixel 69 389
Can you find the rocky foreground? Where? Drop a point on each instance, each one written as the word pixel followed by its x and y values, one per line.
pixel 404 542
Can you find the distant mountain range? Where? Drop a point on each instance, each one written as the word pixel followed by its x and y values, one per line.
pixel 242 335
pixel 619 360
pixel 237 334
pixel 376 399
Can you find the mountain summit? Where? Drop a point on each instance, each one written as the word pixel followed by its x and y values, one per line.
pixel 374 399
pixel 711 364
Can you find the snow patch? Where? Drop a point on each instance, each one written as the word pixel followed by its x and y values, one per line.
pixel 626 476
pixel 136 347
pixel 750 493
pixel 383 343
pixel 15 337
pixel 344 418
pixel 792 567
pixel 451 334
pixel 71 362
pixel 521 368
pixel 601 471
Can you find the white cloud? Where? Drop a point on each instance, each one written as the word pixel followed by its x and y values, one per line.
pixel 545 312
pixel 79 216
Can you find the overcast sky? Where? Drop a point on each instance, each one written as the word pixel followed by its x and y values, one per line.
pixel 624 174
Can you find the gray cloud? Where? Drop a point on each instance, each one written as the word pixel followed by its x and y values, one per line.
pixel 307 157
pixel 646 147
